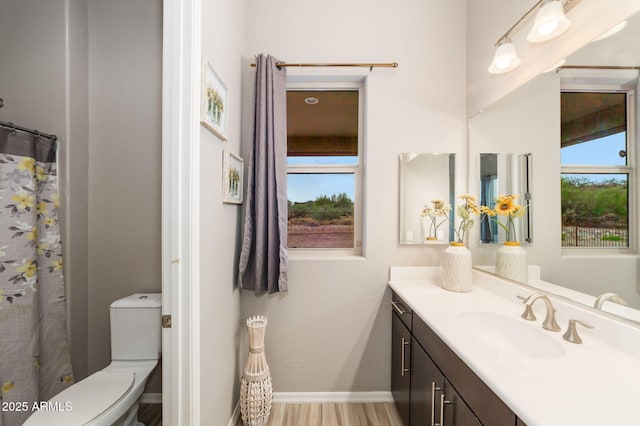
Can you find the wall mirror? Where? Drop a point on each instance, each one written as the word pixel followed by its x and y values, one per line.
pixel 529 120
pixel 505 174
pixel 425 178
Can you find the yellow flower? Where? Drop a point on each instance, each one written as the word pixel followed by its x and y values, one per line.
pixel 37 363
pixel 56 265
pixel 1 293
pixel 42 208
pixel 42 247
pixel 505 205
pixel 486 210
pixel 56 200
pixel 67 379
pixel 33 234
pixel 7 386
pixel 40 174
pixel 49 221
pixel 28 164
pixel 23 200
pixel 28 268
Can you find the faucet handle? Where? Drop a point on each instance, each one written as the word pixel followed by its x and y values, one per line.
pixel 528 313
pixel 550 322
pixel 571 335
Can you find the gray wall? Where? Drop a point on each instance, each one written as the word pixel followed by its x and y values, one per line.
pixel 125 71
pixel 101 94
pixel 37 93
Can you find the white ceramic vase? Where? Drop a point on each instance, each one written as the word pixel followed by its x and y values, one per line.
pixel 456 268
pixel 511 262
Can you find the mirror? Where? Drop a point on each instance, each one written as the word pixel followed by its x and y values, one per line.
pixel 529 120
pixel 425 178
pixel 505 174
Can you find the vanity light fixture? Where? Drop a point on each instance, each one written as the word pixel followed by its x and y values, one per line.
pixel 505 59
pixel 550 22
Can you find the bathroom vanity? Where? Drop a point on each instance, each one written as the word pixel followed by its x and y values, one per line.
pixel 470 359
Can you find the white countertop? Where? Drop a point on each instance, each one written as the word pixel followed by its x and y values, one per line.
pixel 593 383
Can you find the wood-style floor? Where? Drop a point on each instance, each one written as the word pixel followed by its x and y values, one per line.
pixel 150 414
pixel 324 414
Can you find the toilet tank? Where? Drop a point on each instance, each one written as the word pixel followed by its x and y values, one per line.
pixel 136 327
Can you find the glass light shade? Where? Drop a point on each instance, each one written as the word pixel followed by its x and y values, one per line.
pixel 550 22
pixel 505 59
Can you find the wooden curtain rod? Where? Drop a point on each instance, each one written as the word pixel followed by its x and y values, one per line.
pixel 370 66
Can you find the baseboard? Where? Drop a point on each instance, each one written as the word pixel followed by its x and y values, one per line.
pixel 235 415
pixel 333 397
pixel 151 398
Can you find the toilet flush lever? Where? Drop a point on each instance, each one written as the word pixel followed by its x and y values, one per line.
pixel 166 321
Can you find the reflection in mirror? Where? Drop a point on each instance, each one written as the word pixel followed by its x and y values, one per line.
pixel 532 119
pixel 507 174
pixel 425 180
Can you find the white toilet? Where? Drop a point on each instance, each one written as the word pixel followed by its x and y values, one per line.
pixel 111 396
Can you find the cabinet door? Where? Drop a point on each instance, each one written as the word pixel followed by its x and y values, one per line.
pixel 400 362
pixel 455 412
pixel 427 383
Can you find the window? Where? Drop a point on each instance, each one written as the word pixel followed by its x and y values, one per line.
pixel 597 168
pixel 324 168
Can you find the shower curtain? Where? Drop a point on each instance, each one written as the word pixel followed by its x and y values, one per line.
pixel 34 357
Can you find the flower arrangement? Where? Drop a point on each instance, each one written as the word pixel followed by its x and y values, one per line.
pixel 506 206
pixel 438 213
pixel 464 212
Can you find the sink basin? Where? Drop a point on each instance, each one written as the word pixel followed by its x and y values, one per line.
pixel 511 334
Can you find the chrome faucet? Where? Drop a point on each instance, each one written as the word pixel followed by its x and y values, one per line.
pixel 550 320
pixel 608 296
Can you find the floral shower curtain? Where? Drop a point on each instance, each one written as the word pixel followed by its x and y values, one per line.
pixel 34 357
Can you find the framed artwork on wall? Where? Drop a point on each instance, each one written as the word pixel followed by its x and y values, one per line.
pixel 214 107
pixel 233 178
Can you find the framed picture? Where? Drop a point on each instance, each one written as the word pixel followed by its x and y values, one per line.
pixel 213 109
pixel 233 178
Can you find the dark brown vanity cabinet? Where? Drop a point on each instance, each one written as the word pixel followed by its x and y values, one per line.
pixel 442 390
pixel 400 360
pixel 433 400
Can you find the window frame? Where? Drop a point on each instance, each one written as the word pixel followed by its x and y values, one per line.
pixel 356 169
pixel 630 170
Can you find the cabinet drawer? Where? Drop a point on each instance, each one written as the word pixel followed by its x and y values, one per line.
pixel 485 404
pixel 402 309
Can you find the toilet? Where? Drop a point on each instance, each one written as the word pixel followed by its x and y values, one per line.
pixel 112 395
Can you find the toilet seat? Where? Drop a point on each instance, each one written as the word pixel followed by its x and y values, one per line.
pixel 78 404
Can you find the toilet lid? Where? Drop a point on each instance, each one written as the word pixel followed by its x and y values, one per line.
pixel 87 399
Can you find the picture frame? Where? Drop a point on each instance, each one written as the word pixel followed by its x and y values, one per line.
pixel 214 103
pixel 233 178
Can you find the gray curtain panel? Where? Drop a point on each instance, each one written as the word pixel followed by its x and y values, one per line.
pixel 34 356
pixel 263 257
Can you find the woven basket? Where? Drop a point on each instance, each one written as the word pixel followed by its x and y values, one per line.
pixel 256 390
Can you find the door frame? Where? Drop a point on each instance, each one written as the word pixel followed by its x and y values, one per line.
pixel 180 211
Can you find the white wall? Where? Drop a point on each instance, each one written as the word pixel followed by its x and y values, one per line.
pixel 488 20
pixel 125 51
pixel 219 374
pixel 331 331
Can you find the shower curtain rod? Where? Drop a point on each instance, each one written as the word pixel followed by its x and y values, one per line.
pixel 371 66
pixel 25 129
